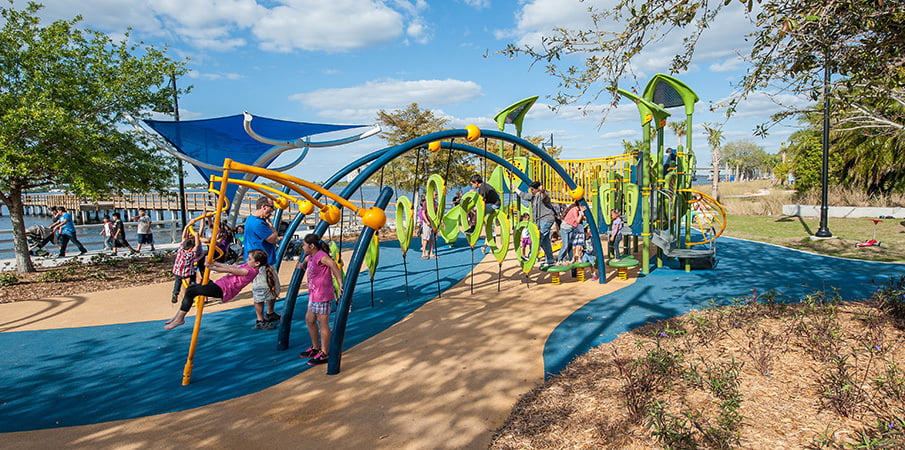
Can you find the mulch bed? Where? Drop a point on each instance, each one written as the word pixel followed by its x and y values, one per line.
pixel 102 273
pixel 788 398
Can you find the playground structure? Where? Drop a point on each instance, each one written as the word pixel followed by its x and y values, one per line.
pixel 666 209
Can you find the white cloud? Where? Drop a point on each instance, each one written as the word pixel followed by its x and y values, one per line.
pixel 333 26
pixel 279 25
pixel 478 4
pixel 762 104
pixel 728 65
pixel 724 36
pixel 391 93
pixel 215 76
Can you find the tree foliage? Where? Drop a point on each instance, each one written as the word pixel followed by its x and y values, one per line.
pixel 62 92
pixel 417 165
pixel 792 41
pixel 414 167
pixel 748 159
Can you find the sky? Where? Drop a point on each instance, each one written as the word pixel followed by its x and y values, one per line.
pixel 340 61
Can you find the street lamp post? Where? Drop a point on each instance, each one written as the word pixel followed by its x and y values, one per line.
pixel 823 231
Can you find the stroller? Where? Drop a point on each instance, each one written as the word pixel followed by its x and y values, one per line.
pixel 38 236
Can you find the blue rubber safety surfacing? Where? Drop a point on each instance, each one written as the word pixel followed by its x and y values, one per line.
pixel 77 376
pixel 742 266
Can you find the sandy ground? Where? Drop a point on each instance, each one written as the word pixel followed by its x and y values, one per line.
pixel 444 377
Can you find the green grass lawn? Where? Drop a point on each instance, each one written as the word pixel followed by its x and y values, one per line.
pixel 795 232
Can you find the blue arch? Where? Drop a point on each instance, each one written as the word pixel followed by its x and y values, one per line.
pixel 383 157
pixel 380 159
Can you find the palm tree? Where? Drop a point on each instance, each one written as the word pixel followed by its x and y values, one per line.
pixel 679 129
pixel 715 139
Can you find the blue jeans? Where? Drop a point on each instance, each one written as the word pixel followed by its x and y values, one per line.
pixel 544 229
pixel 565 252
pixel 64 241
pixel 616 241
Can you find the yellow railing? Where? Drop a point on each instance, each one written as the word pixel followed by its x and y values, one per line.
pixel 583 171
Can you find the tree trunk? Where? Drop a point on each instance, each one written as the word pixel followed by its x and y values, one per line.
pixel 20 243
pixel 716 173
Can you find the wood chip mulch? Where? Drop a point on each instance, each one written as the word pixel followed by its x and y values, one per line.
pixel 781 380
pixel 103 273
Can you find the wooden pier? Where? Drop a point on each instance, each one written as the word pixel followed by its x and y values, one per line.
pixel 128 204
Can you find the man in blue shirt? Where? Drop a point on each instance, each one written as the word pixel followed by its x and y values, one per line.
pixel 67 232
pixel 260 234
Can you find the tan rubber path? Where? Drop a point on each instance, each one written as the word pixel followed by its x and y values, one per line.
pixel 446 376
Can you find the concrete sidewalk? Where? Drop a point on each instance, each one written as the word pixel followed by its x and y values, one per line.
pixel 52 261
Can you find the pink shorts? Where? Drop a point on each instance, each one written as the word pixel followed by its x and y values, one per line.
pixel 320 307
pixel 526 242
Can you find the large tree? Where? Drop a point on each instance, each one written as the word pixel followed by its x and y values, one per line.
pixel 62 92
pixel 861 39
pixel 748 159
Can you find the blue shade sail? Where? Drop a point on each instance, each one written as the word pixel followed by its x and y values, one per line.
pixel 213 140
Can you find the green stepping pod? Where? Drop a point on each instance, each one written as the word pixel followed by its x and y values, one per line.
pixel 435 211
pixel 534 235
pixel 607 194
pixel 630 194
pixel 497 179
pixel 502 247
pixel 479 220
pixel 405 223
pixel 372 256
pixel 628 261
pixel 336 254
pixel 449 226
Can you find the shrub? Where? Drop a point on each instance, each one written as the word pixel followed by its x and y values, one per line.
pixel 8 279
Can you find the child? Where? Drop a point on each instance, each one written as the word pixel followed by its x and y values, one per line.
pixel 144 229
pixel 571 222
pixel 119 235
pixel 107 232
pixel 589 255
pixel 428 249
pixel 321 271
pixel 186 257
pixel 226 287
pixel 615 232
pixel 578 243
pixel 526 237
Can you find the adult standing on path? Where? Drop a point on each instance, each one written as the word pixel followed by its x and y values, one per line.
pixel 542 210
pixel 144 229
pixel 67 232
pixel 260 234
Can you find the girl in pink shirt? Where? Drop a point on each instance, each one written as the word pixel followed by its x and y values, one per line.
pixel 226 287
pixel 321 271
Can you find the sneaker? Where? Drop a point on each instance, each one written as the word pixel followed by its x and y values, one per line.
pixel 271 317
pixel 83 252
pixel 319 358
pixel 310 353
pixel 484 250
pixel 264 325
pixel 594 277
